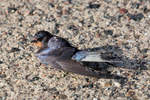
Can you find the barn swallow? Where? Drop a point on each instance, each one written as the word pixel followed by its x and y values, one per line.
pixel 60 54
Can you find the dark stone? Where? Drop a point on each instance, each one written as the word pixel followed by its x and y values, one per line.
pixel 108 1
pixel 11 9
pixel 72 27
pixel 72 89
pixel 52 90
pixel 35 78
pixel 88 86
pixel 93 6
pixel 108 32
pixel 50 18
pixel 9 33
pixel 20 18
pixel 145 10
pixel 62 96
pixel 1 62
pixel 31 11
pixel 14 49
pixel 123 11
pixel 136 17
pixel 70 1
pixel 43 85
pixel 32 79
pixel 56 29
pixel 51 5
pixel 2 75
pixel 144 50
pixel 135 5
pixel 87 79
pixel 148 95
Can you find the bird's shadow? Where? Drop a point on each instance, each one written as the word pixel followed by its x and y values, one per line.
pixel 113 52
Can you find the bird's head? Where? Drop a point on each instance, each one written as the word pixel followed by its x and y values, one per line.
pixel 41 38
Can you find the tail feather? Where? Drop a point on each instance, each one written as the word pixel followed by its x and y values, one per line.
pixel 87 56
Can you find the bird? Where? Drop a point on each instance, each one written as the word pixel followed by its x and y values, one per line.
pixel 58 53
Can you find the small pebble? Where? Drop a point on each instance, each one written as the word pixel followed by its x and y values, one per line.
pixel 95 99
pixel 130 93
pixel 35 78
pixel 136 17
pixel 88 86
pixel 117 35
pixel 32 79
pixel 72 27
pixel 117 84
pixel 62 96
pixel 93 6
pixel 97 35
pixel 53 90
pixel 1 62
pixel 11 9
pixel 135 5
pixel 146 10
pixel 108 84
pixel 14 49
pixel 87 79
pixel 108 1
pixel 2 75
pixel 149 15
pixel 123 11
pixel 51 5
pixel 108 32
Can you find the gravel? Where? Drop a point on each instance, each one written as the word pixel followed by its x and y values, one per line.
pixel 120 28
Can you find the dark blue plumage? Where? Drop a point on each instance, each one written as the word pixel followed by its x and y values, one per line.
pixel 58 53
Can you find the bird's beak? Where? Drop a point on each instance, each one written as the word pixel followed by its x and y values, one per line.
pixel 36 42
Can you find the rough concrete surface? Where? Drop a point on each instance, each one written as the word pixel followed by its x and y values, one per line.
pixel 119 26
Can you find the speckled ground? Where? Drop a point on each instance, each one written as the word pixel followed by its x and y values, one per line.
pixel 123 24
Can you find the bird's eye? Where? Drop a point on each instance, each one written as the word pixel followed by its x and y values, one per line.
pixel 40 35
